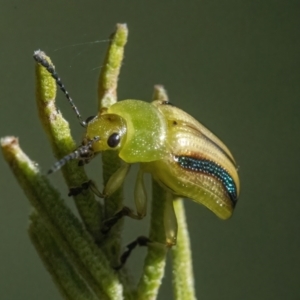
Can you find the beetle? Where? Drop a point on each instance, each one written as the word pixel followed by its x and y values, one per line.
pixel 182 155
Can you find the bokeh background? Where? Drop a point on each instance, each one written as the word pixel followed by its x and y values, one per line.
pixel 234 65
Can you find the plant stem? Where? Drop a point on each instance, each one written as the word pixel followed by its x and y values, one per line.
pixel 183 278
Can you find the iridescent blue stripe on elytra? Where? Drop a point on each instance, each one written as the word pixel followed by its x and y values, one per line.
pixel 210 168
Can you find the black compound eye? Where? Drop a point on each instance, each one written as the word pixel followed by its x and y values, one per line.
pixel 89 119
pixel 114 140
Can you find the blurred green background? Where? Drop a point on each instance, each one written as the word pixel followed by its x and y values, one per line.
pixel 234 65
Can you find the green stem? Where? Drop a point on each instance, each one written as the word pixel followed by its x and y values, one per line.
pixel 155 261
pixel 90 261
pixel 58 132
pixel 107 96
pixel 183 278
pixel 63 273
pixel 108 79
pixel 160 93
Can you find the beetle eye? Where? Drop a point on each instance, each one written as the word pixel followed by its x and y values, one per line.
pixel 114 140
pixel 89 119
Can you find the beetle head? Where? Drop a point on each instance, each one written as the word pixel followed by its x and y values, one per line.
pixel 111 130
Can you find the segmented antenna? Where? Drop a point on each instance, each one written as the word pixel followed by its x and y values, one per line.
pixel 39 57
pixel 81 152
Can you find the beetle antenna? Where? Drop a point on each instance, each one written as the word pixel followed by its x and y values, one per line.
pixel 84 152
pixel 39 57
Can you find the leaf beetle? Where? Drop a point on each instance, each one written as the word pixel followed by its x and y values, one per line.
pixel 182 155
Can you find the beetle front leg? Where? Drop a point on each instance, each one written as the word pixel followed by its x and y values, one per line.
pixel 170 221
pixel 90 184
pixel 140 241
pixel 87 185
pixel 109 223
pixel 140 195
pixel 116 180
pixel 140 198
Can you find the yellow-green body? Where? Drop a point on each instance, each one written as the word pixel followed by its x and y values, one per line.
pixel 180 153
pixel 184 157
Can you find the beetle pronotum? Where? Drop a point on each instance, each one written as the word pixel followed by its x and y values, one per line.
pixel 182 155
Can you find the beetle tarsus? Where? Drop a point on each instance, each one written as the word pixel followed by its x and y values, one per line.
pixel 74 191
pixel 93 187
pixel 109 223
pixel 90 184
pixel 140 241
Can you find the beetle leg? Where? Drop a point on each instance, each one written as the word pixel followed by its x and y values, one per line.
pixel 90 184
pixel 140 241
pixel 93 187
pixel 140 195
pixel 140 198
pixel 170 221
pixel 116 180
pixel 109 223
pixel 74 191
